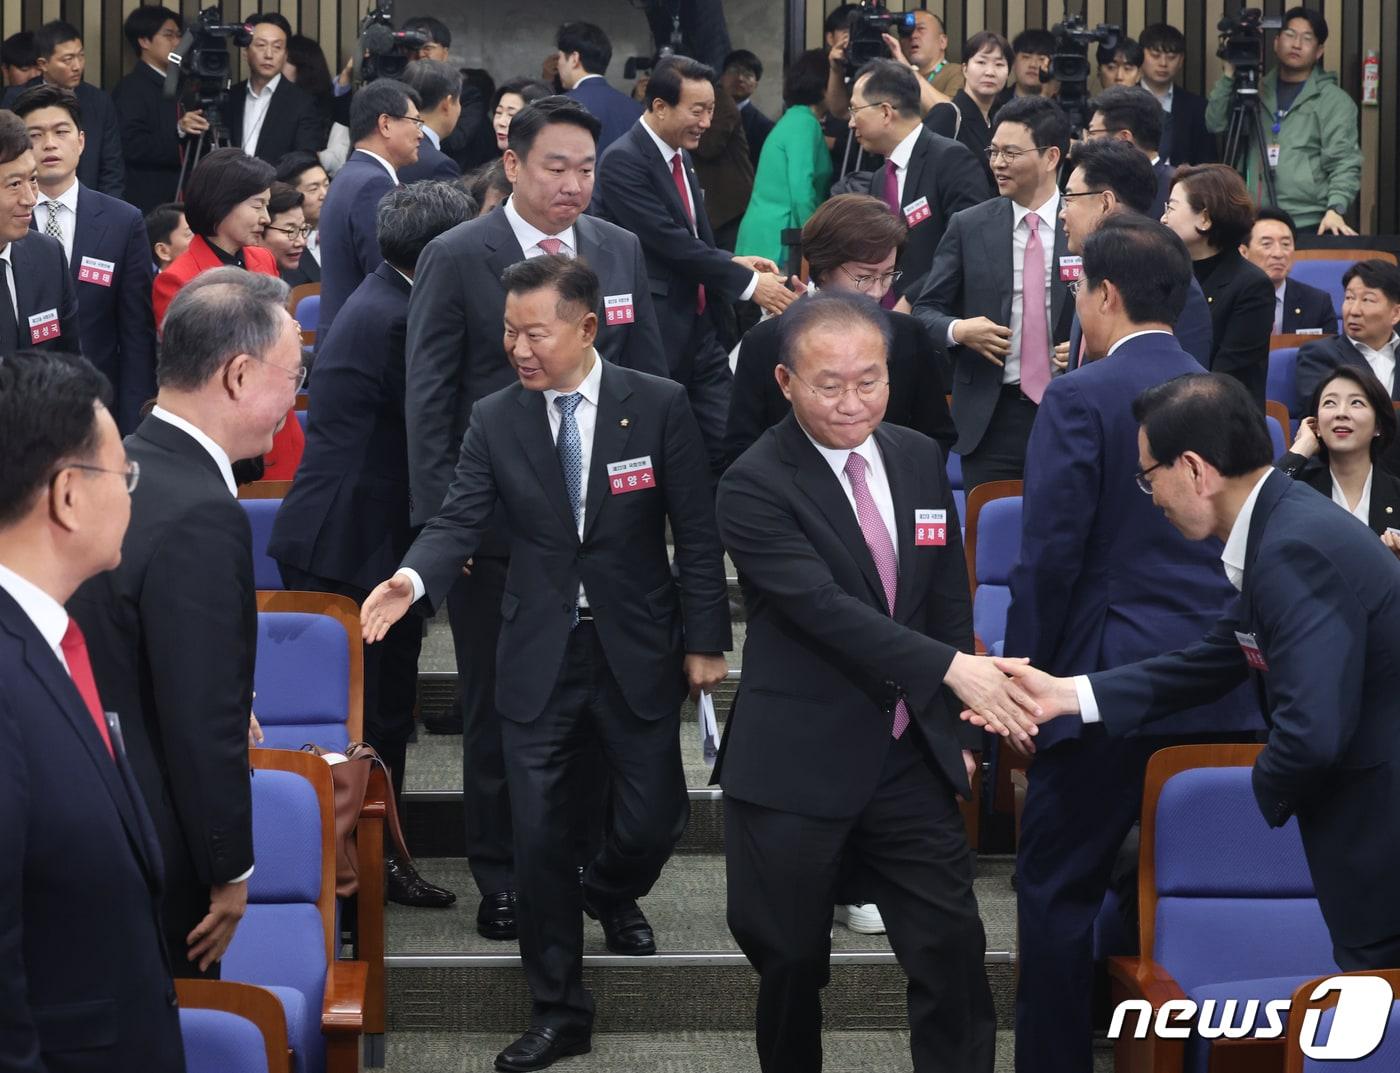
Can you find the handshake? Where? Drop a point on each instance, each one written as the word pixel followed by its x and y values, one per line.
pixel 1009 697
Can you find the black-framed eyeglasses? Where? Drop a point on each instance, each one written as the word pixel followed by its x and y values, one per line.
pixel 854 108
pixel 292 232
pixel 864 283
pixel 417 121
pixel 1141 477
pixel 299 376
pixel 131 475
pixel 1070 196
pixel 1010 155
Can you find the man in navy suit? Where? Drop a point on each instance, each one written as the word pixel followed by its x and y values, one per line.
pixel 385 129
pixel 1185 139
pixel 1313 629
pixel 38 305
pixel 439 89
pixel 106 245
pixel 1131 114
pixel 1299 308
pixel 1370 316
pixel 84 982
pixel 1103 580
pixel 584 55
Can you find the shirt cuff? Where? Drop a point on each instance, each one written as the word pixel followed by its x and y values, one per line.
pixel 952 324
pixel 748 291
pixel 1088 706
pixel 417 582
pixel 243 878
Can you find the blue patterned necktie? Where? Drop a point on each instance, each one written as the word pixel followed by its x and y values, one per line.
pixel 570 449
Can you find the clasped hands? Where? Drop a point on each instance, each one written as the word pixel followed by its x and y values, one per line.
pixel 1009 697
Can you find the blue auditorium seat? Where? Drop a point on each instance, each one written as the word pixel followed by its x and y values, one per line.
pixel 308 312
pixel 1384 1059
pixel 302 680
pixel 998 550
pixel 1282 383
pixel 261 513
pixel 217 1041
pixel 1325 275
pixel 1276 435
pixel 955 478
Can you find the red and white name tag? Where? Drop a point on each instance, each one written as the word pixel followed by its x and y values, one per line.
pixel 617 308
pixel 633 475
pixel 1071 269
pixel 44 327
pixel 94 271
pixel 1252 653
pixel 930 528
pixel 916 212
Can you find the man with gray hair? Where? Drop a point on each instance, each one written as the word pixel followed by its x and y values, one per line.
pixel 439 89
pixel 172 631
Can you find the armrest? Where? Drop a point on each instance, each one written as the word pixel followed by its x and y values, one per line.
pixel 343 1007
pixel 369 919
pixel 1144 979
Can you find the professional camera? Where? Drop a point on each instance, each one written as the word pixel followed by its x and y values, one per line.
pixel 1069 66
pixel 1242 43
pixel 869 23
pixel 384 52
pixel 200 66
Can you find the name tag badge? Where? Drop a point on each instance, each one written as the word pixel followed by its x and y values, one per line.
pixel 1071 269
pixel 1307 331
pixel 916 212
pixel 94 271
pixel 632 475
pixel 44 327
pixel 930 528
pixel 1252 654
pixel 1273 153
pixel 618 309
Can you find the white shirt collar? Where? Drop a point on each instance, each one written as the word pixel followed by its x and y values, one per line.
pixel 1278 291
pixel 375 156
pixel 1363 505
pixel 216 452
pixel 47 614
pixel 528 235
pixel 1048 212
pixel 68 199
pixel 666 151
pixel 267 90
pixel 5 252
pixel 1233 554
pixel 836 456
pixel 589 387
pixel 900 153
pixel 585 78
pixel 432 136
pixel 1133 335
pixel 1387 351
pixel 406 278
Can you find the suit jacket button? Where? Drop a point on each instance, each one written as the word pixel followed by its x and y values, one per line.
pixel 171 998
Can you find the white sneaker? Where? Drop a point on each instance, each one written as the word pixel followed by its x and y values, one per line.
pixel 864 919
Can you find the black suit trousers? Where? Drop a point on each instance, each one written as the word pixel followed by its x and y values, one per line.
pixel 709 384
pixel 1001 454
pixel 911 848
pixel 551 770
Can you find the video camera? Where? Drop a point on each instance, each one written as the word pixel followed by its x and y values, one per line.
pixel 1069 66
pixel 1242 45
pixel 869 23
pixel 384 52
pixel 200 67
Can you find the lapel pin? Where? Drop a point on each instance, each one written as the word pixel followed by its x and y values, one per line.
pixel 1298 312
pixel 625 422
pixel 1390 510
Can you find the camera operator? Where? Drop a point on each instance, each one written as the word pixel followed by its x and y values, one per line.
pixel 1311 128
pixel 927 43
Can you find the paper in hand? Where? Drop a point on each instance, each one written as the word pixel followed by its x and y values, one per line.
pixel 709 728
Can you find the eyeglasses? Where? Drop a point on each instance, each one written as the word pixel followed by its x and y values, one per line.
pixel 299 376
pixel 864 283
pixel 1010 155
pixel 292 232
pixel 131 475
pixel 866 389
pixel 417 121
pixel 853 109
pixel 1141 477
pixel 1098 132
pixel 1068 196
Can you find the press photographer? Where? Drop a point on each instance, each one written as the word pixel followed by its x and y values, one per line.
pixel 873 34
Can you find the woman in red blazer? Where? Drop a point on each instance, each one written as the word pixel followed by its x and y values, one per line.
pixel 226 206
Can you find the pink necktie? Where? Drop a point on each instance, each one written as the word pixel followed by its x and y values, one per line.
pixel 1035 336
pixel 551 246
pixel 877 539
pixel 892 200
pixel 683 188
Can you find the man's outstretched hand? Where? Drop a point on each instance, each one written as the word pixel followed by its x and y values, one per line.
pixel 997 699
pixel 1045 697
pixel 383 607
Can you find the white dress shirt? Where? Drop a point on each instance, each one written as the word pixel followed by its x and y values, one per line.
pixel 313 244
pixel 1164 99
pixel 1133 335
pixel 393 173
pixel 216 452
pixel 1382 361
pixel 668 154
pixel 1362 510
pixel 255 113
pixel 1278 307
pixel 432 136
pixel 899 156
pixel 10 278
pixel 47 614
pixel 876 480
pixel 66 205
pixel 528 235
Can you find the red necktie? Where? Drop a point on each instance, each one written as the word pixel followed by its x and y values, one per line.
pixel 551 246
pixel 683 188
pixel 1035 335
pixel 80 669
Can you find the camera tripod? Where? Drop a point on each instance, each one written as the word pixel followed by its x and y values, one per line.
pixel 216 137
pixel 1245 134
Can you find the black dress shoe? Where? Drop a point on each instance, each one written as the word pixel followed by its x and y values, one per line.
pixel 407 887
pixel 625 928
pixel 449 723
pixel 541 1047
pixel 495 918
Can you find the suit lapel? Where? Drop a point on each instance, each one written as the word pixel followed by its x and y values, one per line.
pixel 610 434
pixel 662 173
pixel 533 433
pixel 501 241
pixel 89 232
pixel 1001 251
pixel 913 182
pixel 1059 289
pixel 904 490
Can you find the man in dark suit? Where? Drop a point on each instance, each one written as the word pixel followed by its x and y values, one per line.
pixel 926 178
pixel 1000 321
pixel 83 970
pixel 62 62
pixel 739 78
pixel 589 461
pixel 1103 579
pixel 1131 114
pixel 38 305
pixel 1185 139
pixel 344 524
pixel 267 115
pixel 149 123
pixel 1314 629
pixel 584 55
pixel 647 184
pixel 1299 308
pixel 455 359
pixel 385 130
pixel 1370 314
pixel 107 253
pixel 1109 176
pixel 173 629
pixel 843 741
pixel 439 89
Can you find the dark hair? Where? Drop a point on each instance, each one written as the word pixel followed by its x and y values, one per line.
pixel 1209 413
pixel 576 283
pixel 1376 395
pixel 284 198
pixel 46 419
pixel 1162 37
pixel 435 30
pixel 293 165
pixel 1269 212
pixel 886 80
pixel 410 217
pixel 841 309
pixel 989 39
pixel 1146 261
pixel 18 50
pixel 1036 41
pixel 485 179
pixel 1381 275
pixel 220 181
pixel 1113 164
pixel 52 34
pixel 480 80
pixel 146 21
pixel 45 95
pixel 1134 109
pixel 668 76
pixel 161 222
pixel 1042 117
pixel 838 18
pixel 433 81
pixel 1314 20
pixel 270 18
pixel 745 60
pixel 14 137
pixel 313 73
pixel 383 96
pixel 1131 50
pixel 850 227
pixel 805 80
pixel 216 316
pixel 589 41
pixel 1217 189
pixel 526 124
pixel 528 90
